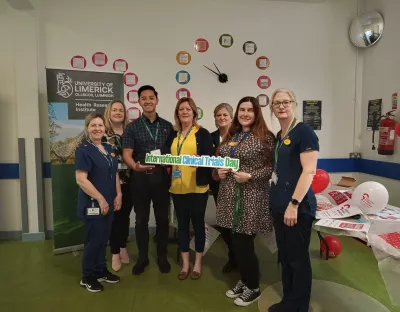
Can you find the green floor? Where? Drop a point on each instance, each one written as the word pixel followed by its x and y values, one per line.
pixel 33 279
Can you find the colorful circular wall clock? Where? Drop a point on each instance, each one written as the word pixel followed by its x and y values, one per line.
pixel 181 93
pixel 264 82
pixel 183 57
pixel 249 47
pixel 201 45
pixel 182 77
pixel 263 99
pixel 262 62
pixel 226 40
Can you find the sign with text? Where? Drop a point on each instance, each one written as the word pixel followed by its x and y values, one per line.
pixel 194 161
pixel 312 114
pixel 374 112
pixel 85 92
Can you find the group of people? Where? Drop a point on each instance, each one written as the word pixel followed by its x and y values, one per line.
pixel 271 190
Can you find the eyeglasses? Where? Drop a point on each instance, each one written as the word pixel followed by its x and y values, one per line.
pixel 284 103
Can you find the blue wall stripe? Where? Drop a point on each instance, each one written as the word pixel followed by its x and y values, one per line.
pixel 332 165
pixel 379 168
pixel 9 171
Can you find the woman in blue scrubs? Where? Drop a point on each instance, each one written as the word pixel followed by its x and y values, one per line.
pixel 99 195
pixel 292 201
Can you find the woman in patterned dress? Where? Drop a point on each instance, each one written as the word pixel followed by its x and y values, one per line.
pixel 243 204
pixel 115 122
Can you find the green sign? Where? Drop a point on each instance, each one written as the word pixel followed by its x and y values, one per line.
pixel 189 160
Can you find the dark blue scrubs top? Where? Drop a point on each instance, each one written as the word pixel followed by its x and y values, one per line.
pixel 103 176
pixel 302 138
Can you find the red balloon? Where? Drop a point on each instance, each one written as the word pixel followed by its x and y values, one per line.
pixel 397 130
pixel 334 245
pixel 320 181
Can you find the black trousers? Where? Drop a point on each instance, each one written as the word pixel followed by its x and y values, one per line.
pixel 226 234
pixel 293 244
pixel 147 188
pixel 120 226
pixel 97 232
pixel 246 258
pixel 191 207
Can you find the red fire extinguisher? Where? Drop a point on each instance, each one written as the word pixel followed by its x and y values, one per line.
pixel 387 127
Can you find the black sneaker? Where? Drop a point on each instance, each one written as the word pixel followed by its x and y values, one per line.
pixel 139 267
pixel 91 284
pixel 235 291
pixel 163 265
pixel 108 277
pixel 248 297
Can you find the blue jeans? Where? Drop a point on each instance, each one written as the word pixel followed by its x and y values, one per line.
pixel 191 207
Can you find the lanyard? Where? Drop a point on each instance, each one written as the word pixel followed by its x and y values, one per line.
pixel 179 146
pixel 154 139
pixel 235 146
pixel 278 146
pixel 107 157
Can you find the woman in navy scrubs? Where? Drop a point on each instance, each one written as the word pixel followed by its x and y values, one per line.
pixel 292 201
pixel 99 195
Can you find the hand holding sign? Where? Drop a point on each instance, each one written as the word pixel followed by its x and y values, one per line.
pixel 223 172
pixel 241 177
pixel 141 168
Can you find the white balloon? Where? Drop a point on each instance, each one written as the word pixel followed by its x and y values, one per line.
pixel 370 197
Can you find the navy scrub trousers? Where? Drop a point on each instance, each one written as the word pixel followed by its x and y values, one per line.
pixel 293 242
pixel 102 172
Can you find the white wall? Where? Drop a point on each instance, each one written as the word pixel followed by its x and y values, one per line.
pixel 380 79
pixel 316 60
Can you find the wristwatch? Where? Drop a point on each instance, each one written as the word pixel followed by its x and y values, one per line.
pixel 294 202
pixel 249 179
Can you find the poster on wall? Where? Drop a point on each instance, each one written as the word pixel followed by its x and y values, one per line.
pixel 71 96
pixel 374 112
pixel 312 114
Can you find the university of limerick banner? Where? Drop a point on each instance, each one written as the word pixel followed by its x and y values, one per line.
pixel 71 95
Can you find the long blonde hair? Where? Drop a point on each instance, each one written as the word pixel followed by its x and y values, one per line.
pixel 192 104
pixel 107 115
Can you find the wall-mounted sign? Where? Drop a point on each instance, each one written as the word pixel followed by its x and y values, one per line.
pixel 183 57
pixel 264 82
pixel 374 112
pixel 262 62
pixel 201 45
pixel 182 77
pixel 78 61
pixel 130 79
pixel 394 100
pixel 120 65
pixel 181 93
pixel 249 47
pixel 312 114
pixel 132 96
pixel 263 100
pixel 133 113
pixel 99 59
pixel 226 40
pixel 199 113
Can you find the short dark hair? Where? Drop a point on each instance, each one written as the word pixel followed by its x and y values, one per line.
pixel 147 87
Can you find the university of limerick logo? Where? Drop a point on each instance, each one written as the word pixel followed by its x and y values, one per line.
pixel 64 85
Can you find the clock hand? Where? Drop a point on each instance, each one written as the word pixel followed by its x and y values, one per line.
pixel 217 68
pixel 211 70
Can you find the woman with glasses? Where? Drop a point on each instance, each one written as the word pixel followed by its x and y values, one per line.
pixel 292 201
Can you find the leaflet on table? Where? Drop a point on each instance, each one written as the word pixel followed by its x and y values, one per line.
pixel 339 212
pixel 389 213
pixel 346 225
pixel 337 196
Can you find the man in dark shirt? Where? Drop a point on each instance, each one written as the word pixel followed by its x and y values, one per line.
pixel 150 183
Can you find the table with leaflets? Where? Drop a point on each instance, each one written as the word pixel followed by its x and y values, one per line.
pixel 336 215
